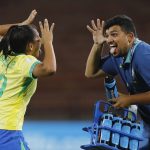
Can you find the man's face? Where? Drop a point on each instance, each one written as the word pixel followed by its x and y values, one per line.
pixel 118 41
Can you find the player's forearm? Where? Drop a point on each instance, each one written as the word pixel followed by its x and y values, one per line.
pixel 141 98
pixel 93 61
pixel 49 61
pixel 4 28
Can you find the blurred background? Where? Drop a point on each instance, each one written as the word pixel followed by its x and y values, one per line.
pixel 64 103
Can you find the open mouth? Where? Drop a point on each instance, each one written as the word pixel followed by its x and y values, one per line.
pixel 114 50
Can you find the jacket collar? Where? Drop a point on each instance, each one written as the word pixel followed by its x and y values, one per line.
pixel 131 52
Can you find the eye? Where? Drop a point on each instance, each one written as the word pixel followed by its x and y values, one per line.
pixel 114 34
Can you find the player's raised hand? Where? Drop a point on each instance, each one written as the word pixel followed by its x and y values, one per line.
pixel 46 32
pixel 31 18
pixel 97 31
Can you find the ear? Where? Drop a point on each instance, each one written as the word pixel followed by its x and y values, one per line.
pixel 29 48
pixel 130 37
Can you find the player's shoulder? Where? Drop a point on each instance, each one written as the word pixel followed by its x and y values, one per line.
pixel 143 46
pixel 25 58
pixel 142 49
pixel 141 54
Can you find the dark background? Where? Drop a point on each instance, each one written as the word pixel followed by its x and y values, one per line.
pixel 69 94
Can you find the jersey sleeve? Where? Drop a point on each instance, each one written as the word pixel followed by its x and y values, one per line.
pixel 108 66
pixel 27 65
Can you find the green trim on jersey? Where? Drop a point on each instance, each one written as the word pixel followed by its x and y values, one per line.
pixel 3 81
pixel 25 85
pixel 22 146
pixel 32 67
pixel 29 80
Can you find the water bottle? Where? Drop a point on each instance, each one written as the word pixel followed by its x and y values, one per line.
pixel 117 124
pixel 106 122
pixel 136 131
pixel 124 140
pixel 110 87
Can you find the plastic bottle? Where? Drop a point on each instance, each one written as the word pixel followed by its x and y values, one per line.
pixel 110 88
pixel 136 131
pixel 115 138
pixel 126 128
pixel 106 122
pixel 111 92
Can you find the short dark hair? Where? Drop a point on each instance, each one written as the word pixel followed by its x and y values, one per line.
pixel 125 22
pixel 16 39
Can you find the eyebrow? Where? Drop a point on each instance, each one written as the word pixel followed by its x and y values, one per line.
pixel 113 31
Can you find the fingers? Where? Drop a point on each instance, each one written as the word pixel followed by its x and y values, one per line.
pixel 46 32
pixel 45 26
pixel 117 105
pixel 90 29
pixel 98 26
pixel 112 101
pixel 93 25
pixel 52 27
pixel 33 12
pixel 30 19
pixel 41 26
pixel 103 23
pixel 32 16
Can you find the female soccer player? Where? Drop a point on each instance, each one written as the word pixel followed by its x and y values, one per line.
pixel 19 70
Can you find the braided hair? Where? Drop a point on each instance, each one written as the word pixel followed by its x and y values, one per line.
pixel 16 39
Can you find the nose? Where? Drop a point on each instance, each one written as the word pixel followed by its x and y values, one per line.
pixel 109 40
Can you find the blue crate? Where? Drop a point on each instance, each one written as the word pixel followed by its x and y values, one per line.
pixel 101 108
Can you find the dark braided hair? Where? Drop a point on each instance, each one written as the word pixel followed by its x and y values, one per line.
pixel 16 39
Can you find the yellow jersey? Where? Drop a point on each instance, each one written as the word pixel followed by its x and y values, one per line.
pixel 17 85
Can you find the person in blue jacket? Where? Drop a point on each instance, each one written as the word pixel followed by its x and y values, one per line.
pixel 128 57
